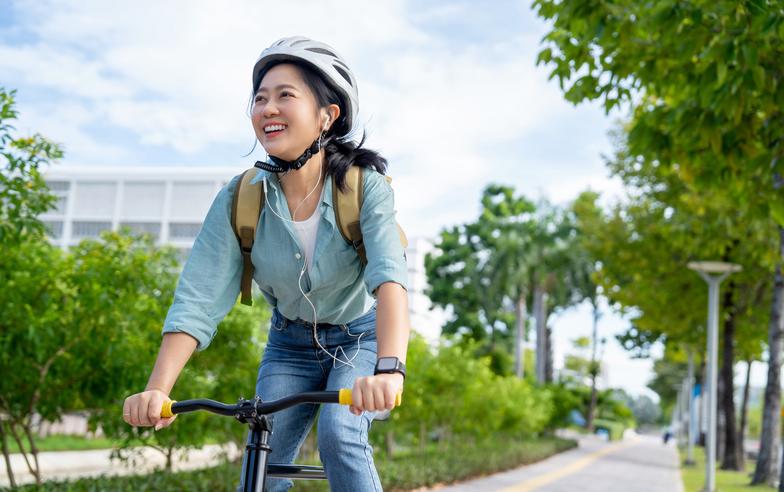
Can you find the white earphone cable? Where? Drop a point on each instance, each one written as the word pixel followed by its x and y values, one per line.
pixel 348 361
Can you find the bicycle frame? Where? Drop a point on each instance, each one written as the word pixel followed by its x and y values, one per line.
pixel 255 413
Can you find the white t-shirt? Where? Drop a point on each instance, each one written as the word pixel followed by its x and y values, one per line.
pixel 306 232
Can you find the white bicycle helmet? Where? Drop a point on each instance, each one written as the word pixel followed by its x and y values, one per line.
pixel 320 56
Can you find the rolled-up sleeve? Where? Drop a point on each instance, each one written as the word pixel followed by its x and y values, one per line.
pixel 385 255
pixel 210 280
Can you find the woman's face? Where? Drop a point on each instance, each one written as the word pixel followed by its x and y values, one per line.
pixel 285 114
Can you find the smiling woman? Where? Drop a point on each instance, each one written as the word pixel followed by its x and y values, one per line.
pixel 352 309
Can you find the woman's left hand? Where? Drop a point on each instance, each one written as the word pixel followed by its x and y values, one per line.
pixel 374 393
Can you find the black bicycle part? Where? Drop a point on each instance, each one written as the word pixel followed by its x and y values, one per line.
pixel 255 413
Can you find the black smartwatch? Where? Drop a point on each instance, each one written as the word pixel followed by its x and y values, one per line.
pixel 389 365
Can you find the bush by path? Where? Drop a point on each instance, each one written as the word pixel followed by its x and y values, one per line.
pixel 443 463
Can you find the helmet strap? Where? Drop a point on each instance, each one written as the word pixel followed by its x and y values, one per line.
pixel 279 165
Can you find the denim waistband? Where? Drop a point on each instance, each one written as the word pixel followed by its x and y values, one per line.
pixel 281 321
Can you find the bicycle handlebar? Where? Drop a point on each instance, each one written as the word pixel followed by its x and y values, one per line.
pixel 343 397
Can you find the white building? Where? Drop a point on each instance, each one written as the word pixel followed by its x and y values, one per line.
pixel 170 203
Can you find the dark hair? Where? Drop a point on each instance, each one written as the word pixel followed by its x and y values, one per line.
pixel 340 153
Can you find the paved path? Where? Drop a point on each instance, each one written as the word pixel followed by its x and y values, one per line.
pixel 58 465
pixel 638 463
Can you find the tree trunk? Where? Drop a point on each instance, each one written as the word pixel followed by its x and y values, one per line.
pixel 520 312
pixel 594 368
pixel 390 443
pixel 34 472
pixel 541 345
pixel 7 455
pixel 33 451
pixel 744 407
pixel 548 362
pixel 731 451
pixel 767 469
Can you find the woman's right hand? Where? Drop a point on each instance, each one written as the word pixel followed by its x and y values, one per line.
pixel 144 409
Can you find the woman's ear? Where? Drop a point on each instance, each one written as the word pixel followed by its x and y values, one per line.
pixel 334 113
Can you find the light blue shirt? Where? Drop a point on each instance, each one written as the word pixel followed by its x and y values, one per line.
pixel 339 287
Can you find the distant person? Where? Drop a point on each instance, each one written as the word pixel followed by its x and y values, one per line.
pixel 340 307
pixel 667 435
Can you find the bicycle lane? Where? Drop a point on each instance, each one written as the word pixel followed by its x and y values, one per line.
pixel 639 463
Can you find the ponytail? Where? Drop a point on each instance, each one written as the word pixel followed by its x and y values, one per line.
pixel 341 155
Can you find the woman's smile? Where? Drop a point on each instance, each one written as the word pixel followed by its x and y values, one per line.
pixel 274 129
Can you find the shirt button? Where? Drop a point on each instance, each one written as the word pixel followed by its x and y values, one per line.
pixel 298 256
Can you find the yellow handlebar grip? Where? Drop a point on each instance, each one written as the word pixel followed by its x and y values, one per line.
pixel 166 410
pixel 344 397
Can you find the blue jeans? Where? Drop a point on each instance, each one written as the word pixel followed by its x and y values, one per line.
pixel 293 363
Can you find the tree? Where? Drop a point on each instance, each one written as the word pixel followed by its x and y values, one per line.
pixel 646 412
pixel 490 270
pixel 224 372
pixel 587 218
pixel 76 321
pixel 23 192
pixel 23 195
pixel 643 247
pixel 704 78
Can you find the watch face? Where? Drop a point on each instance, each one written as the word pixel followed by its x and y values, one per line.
pixel 386 363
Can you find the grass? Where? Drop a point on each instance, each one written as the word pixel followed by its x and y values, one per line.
pixel 66 442
pixel 726 481
pixel 60 442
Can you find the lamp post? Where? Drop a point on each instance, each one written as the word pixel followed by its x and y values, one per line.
pixel 692 413
pixel 713 272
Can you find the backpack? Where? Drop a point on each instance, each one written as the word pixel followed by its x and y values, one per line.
pixel 248 202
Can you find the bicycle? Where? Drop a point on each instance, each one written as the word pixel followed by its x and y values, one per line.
pixel 255 413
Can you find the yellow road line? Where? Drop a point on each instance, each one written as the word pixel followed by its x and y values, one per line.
pixel 544 479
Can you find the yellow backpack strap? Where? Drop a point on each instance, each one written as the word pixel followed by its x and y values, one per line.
pixel 246 207
pixel 347 208
pixel 403 238
pixel 347 211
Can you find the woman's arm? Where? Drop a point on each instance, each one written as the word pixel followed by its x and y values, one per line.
pixel 143 409
pixel 392 323
pixel 176 349
pixel 392 329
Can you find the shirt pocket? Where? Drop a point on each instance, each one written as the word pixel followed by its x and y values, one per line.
pixel 342 268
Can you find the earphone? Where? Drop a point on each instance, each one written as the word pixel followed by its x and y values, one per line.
pixel 348 361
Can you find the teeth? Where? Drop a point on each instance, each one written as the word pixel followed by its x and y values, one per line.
pixel 274 128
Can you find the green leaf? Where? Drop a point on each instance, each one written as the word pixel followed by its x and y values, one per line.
pixel 759 77
pixel 777 210
pixel 721 73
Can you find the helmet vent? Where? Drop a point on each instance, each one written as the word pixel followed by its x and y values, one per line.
pixel 295 43
pixel 343 74
pixel 322 51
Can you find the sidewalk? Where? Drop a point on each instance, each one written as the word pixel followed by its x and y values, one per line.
pixel 59 465
pixel 638 463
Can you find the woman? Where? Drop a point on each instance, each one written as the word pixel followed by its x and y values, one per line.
pixel 333 319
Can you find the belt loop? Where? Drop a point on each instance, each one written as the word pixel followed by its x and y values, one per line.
pixel 278 320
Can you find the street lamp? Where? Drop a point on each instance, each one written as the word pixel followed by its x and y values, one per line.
pixel 713 272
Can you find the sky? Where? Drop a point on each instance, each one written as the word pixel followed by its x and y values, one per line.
pixel 449 93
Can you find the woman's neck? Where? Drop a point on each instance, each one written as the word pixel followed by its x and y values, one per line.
pixel 297 184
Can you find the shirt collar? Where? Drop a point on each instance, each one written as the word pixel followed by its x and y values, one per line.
pixel 274 182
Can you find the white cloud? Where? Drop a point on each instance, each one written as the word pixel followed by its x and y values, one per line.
pixel 177 75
